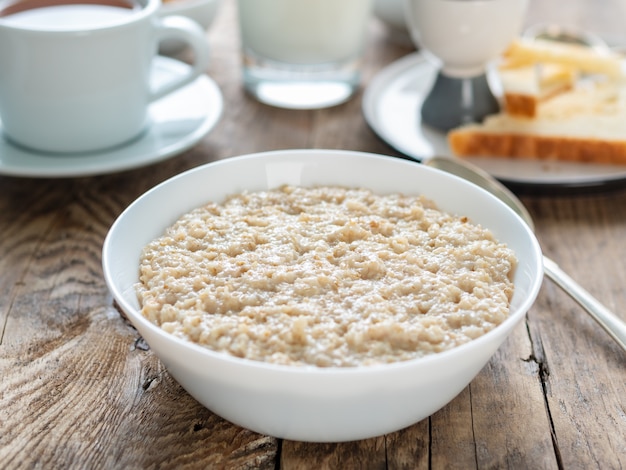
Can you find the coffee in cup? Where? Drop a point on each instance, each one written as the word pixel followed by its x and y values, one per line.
pixel 65 14
pixel 76 75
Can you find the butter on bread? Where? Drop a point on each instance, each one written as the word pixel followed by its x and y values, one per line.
pixel 587 124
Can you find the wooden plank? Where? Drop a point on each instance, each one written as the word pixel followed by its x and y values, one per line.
pixel 367 453
pixel 584 375
pixel 410 448
pixel 97 400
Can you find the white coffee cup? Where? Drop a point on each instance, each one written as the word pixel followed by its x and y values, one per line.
pixel 77 78
pixel 465 35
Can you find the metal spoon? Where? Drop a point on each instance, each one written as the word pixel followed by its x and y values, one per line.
pixel 612 324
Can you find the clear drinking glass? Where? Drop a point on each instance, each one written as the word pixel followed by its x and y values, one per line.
pixel 303 54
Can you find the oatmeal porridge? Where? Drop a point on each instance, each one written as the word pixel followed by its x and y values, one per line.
pixel 325 276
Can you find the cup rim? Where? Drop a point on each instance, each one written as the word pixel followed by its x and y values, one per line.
pixel 150 7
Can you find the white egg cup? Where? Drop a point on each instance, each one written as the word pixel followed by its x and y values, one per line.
pixel 462 37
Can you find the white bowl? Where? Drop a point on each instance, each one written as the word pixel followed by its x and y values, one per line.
pixel 310 403
pixel 202 12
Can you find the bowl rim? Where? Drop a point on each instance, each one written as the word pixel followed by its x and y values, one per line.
pixel 139 321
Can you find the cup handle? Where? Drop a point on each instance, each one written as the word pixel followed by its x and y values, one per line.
pixel 181 28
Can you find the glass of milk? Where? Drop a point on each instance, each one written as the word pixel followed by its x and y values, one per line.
pixel 303 54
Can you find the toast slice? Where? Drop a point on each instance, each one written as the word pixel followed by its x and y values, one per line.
pixel 562 102
pixel 526 52
pixel 586 124
pixel 524 88
pixel 535 70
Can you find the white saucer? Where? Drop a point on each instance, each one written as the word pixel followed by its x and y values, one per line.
pixel 391 105
pixel 178 121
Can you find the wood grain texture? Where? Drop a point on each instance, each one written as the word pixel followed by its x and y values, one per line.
pixel 80 389
pixel 584 374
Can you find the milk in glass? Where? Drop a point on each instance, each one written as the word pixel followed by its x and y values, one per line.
pixel 304 31
pixel 303 53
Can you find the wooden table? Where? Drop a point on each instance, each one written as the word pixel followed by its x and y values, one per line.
pixel 80 389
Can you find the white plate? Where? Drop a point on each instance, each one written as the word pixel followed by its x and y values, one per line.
pixel 391 105
pixel 177 122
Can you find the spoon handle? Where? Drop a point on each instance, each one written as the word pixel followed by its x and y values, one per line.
pixel 612 324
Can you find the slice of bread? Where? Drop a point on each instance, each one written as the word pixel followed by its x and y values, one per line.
pixel 562 102
pixel 524 88
pixel 535 70
pixel 586 124
pixel 525 52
